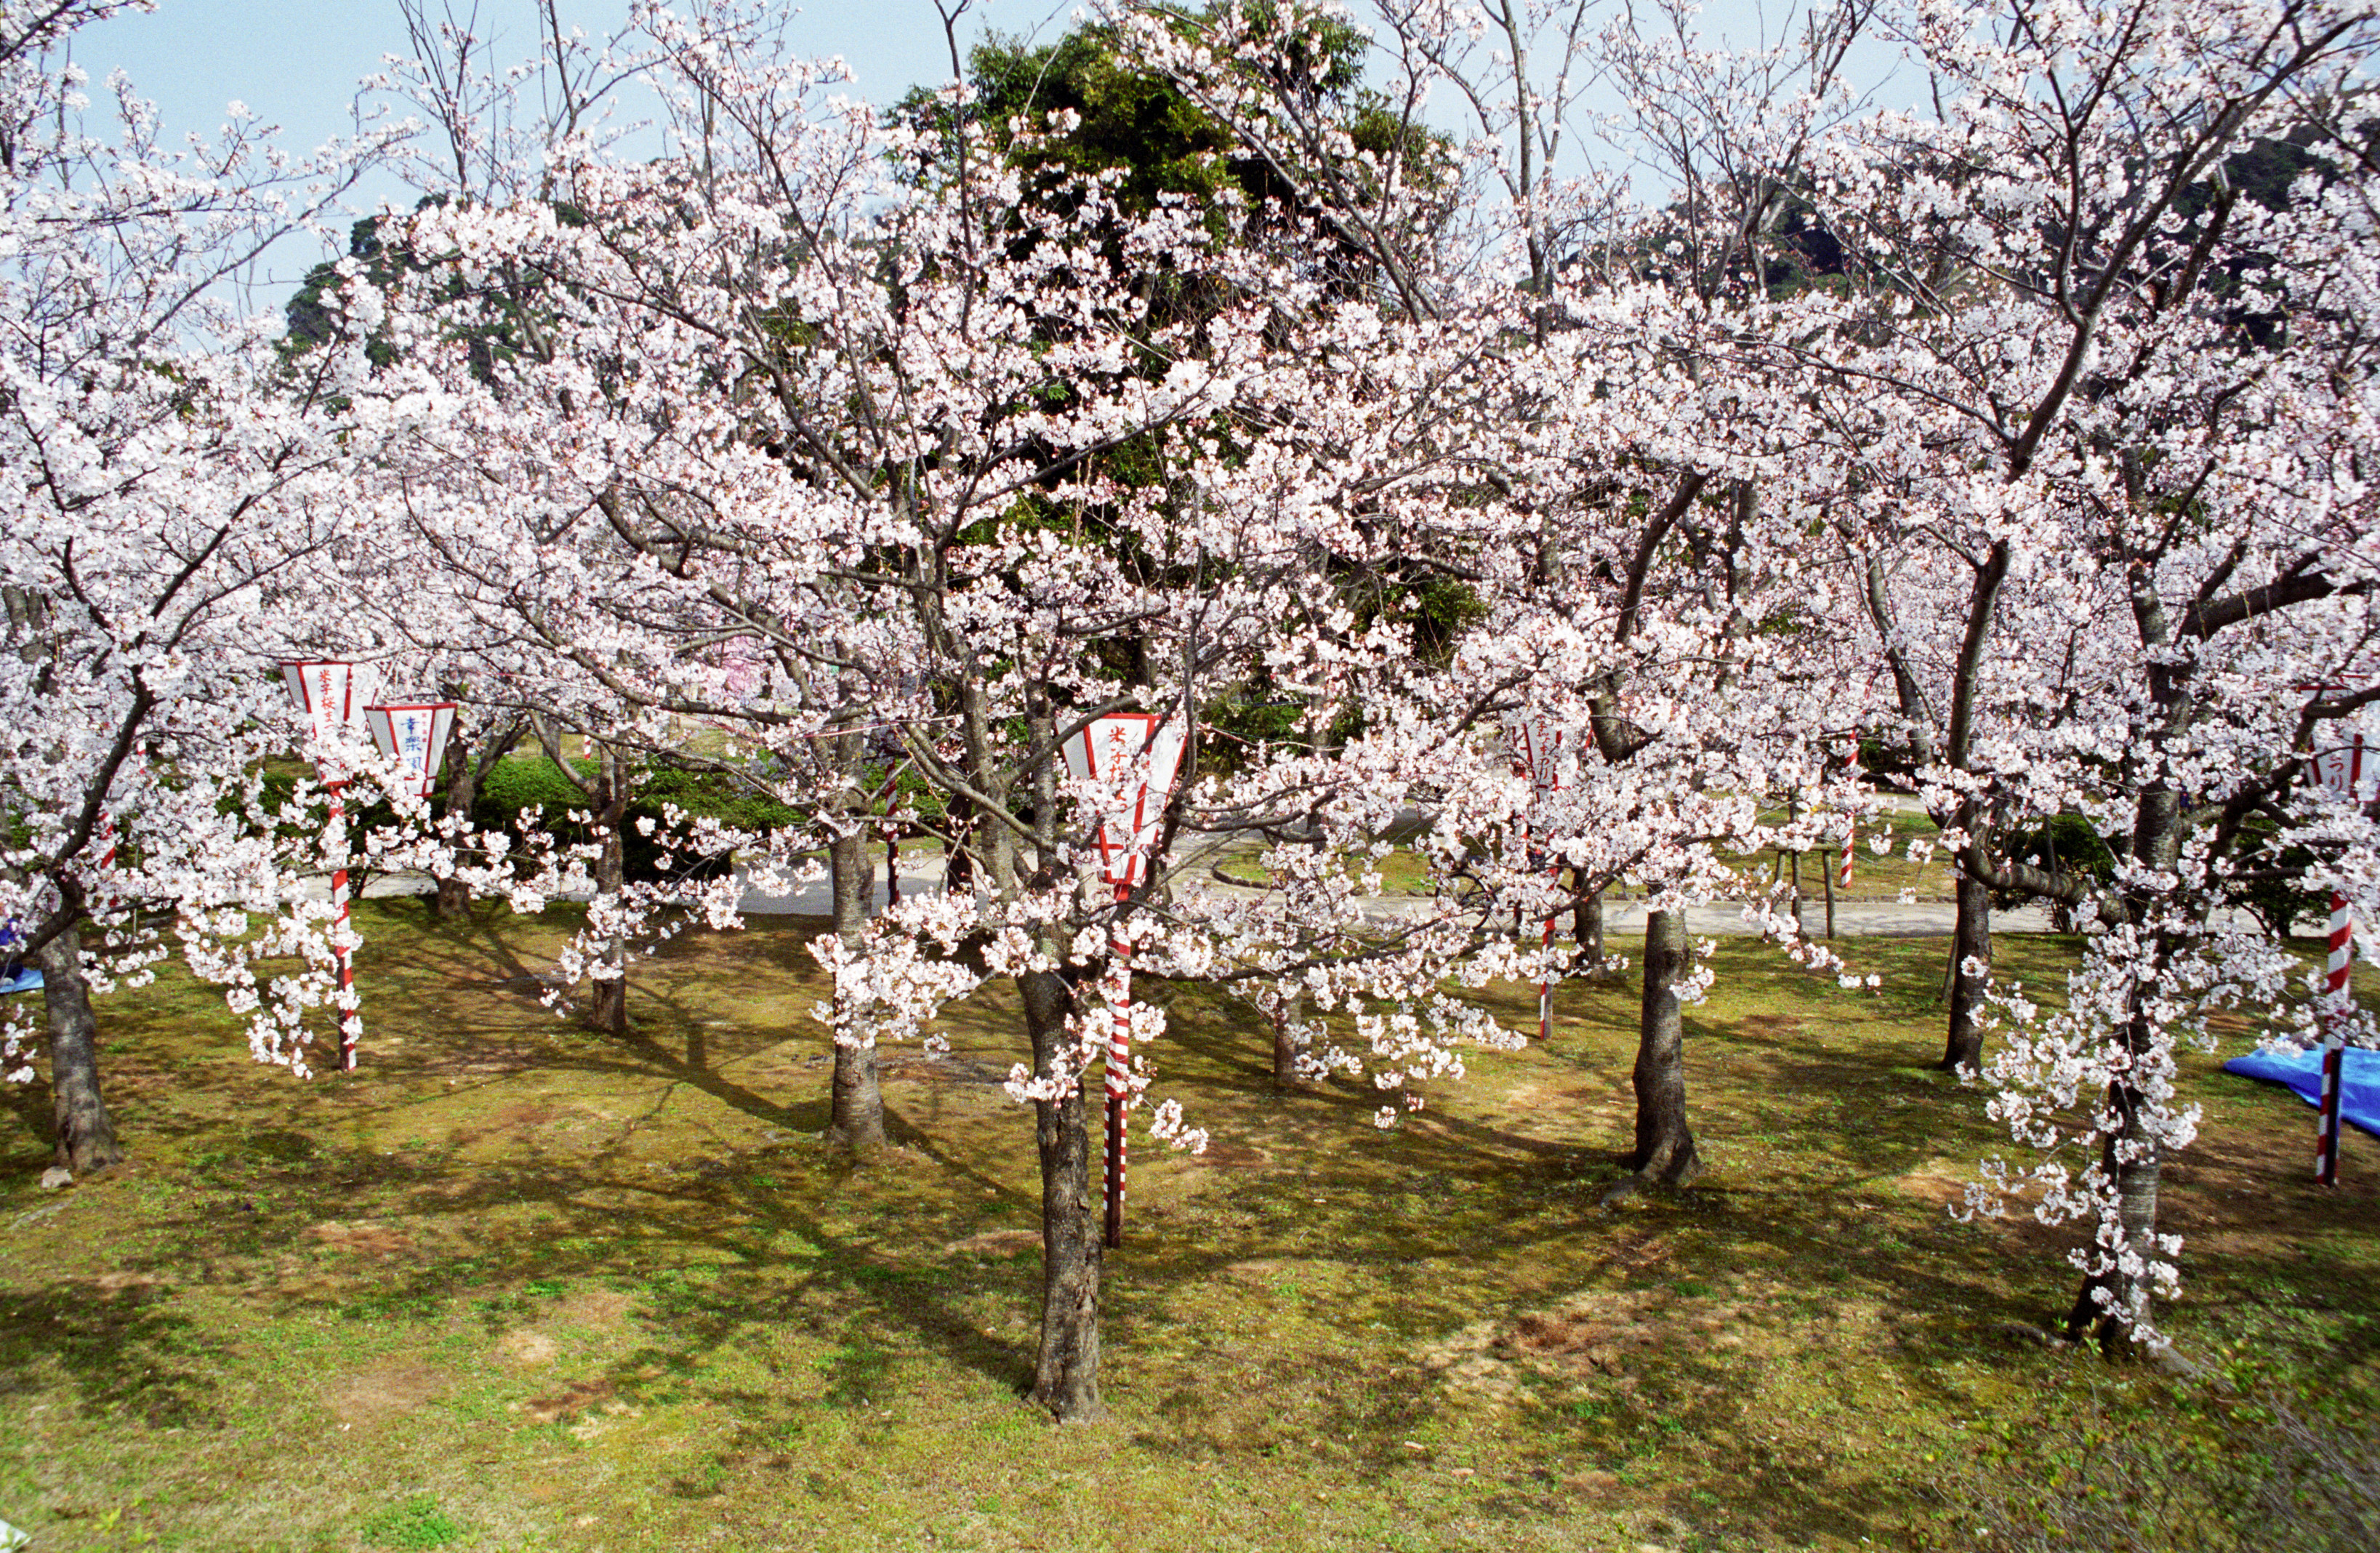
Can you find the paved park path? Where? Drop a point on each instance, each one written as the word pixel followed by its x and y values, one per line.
pixel 1859 919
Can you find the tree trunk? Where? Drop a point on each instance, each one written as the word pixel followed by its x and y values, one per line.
pixel 610 1013
pixel 2130 1154
pixel 1665 1145
pixel 856 1109
pixel 453 901
pixel 1971 947
pixel 1586 931
pixel 85 1140
pixel 1286 1011
pixel 1066 1372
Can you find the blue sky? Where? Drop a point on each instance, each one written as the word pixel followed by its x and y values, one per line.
pixel 296 63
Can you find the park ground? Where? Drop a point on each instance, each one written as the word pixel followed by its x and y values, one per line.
pixel 514 1285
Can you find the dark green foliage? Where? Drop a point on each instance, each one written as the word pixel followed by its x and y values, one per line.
pixel 531 793
pixel 417 1522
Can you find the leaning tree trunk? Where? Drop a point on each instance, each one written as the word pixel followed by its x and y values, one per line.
pixel 1066 1372
pixel 454 899
pixel 86 1139
pixel 1970 973
pixel 1665 1145
pixel 610 1013
pixel 856 1120
pixel 1587 930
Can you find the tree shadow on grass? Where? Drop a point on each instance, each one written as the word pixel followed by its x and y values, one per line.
pixel 123 1348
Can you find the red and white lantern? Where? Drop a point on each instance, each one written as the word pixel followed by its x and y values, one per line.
pixel 330 693
pixel 1141 750
pixel 330 696
pixel 1136 757
pixel 414 736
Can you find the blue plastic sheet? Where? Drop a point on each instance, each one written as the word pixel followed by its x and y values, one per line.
pixel 2359 1079
pixel 20 978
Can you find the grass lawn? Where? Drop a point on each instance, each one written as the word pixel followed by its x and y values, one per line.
pixel 516 1286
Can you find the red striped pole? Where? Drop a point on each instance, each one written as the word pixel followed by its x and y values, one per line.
pixel 1544 983
pixel 351 1019
pixel 1119 1067
pixel 2342 950
pixel 1850 826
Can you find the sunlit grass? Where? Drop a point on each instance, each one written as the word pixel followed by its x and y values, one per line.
pixel 515 1285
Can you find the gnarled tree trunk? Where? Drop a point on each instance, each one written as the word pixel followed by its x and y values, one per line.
pixel 855 1120
pixel 1586 931
pixel 1664 1144
pixel 1066 1372
pixel 86 1139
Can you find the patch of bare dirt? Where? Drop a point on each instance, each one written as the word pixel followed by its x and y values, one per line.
pixel 576 1397
pixel 1260 1271
pixel 364 1237
pixel 948 1070
pixel 997 1243
pixel 1226 1155
pixel 591 1307
pixel 385 1391
pixel 527 1348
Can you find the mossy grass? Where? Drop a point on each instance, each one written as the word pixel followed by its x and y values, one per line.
pixel 514 1285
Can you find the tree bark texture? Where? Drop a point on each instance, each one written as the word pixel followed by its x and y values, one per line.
pixel 1067 1371
pixel 2130 1154
pixel 1285 1010
pixel 1970 949
pixel 1587 932
pixel 856 1113
pixel 2132 1158
pixel 1664 1144
pixel 462 791
pixel 86 1137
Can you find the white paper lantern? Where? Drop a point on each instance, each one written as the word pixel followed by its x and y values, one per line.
pixel 1541 749
pixel 414 736
pixel 330 693
pixel 1136 756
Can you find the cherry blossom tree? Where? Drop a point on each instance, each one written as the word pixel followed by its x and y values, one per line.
pixel 168 510
pixel 2096 416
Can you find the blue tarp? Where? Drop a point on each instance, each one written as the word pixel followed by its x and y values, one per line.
pixel 2359 1079
pixel 15 974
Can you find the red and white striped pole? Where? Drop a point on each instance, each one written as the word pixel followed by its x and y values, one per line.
pixel 1538 748
pixel 2341 770
pixel 1851 828
pixel 1119 1067
pixel 326 693
pixel 1107 749
pixel 351 1018
pixel 2334 1057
